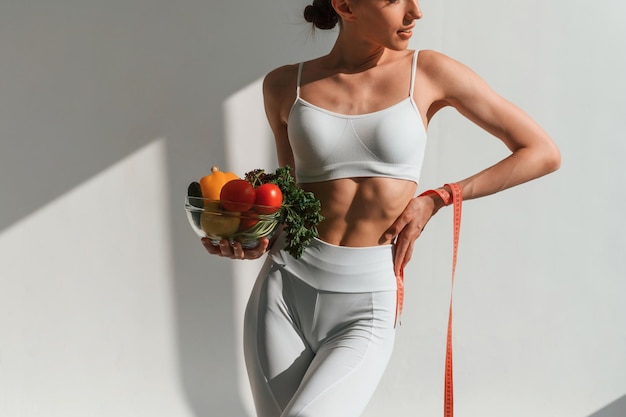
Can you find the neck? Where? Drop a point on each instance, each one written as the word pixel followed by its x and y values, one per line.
pixel 348 55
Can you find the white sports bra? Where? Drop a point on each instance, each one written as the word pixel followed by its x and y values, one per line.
pixel 385 143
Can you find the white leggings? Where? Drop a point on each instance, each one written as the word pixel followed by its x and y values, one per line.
pixel 319 330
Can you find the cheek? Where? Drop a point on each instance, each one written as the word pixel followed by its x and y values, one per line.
pixel 374 28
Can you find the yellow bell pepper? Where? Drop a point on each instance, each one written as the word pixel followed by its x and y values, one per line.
pixel 212 184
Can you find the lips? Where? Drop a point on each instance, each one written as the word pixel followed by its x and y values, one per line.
pixel 405 33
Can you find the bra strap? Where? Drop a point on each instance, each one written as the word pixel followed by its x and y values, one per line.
pixel 413 69
pixel 300 65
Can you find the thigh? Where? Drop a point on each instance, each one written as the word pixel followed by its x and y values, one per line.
pixel 352 358
pixel 276 354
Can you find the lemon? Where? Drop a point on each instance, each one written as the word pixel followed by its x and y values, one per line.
pixel 219 224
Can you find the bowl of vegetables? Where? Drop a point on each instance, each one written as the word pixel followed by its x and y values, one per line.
pixel 216 220
pixel 222 206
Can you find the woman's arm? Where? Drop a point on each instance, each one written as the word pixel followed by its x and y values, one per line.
pixel 279 93
pixel 533 153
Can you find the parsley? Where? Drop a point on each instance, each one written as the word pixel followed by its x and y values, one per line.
pixel 300 209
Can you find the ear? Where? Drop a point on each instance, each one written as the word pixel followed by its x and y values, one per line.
pixel 343 9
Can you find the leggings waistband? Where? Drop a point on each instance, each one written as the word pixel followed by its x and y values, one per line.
pixel 329 267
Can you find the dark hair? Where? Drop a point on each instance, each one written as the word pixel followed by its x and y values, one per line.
pixel 321 14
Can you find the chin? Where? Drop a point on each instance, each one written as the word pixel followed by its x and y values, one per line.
pixel 398 46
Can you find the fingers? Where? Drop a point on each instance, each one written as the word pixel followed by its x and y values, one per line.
pixel 392 232
pixel 413 216
pixel 212 249
pixel 235 250
pixel 257 251
pixel 403 251
pixel 406 229
pixel 396 228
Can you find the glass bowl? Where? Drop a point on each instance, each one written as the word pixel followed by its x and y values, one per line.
pixel 208 219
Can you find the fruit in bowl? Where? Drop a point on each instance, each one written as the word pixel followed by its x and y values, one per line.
pixel 209 218
pixel 223 206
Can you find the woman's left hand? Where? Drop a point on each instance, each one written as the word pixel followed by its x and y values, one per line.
pixel 408 227
pixel 235 250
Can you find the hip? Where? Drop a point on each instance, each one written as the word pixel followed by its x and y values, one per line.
pixel 329 267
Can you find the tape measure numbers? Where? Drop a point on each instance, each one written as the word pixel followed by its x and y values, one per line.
pixel 456 199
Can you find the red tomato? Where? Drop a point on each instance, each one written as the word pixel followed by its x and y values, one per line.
pixel 237 195
pixel 248 220
pixel 269 196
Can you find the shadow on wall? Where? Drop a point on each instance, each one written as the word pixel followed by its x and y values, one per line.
pixel 616 409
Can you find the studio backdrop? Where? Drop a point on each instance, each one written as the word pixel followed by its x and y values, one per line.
pixel 110 306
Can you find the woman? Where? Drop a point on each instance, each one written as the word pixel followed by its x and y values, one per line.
pixel 352 124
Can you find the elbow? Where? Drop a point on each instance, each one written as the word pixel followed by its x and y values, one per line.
pixel 552 159
pixel 542 160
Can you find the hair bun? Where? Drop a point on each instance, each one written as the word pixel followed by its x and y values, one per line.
pixel 321 14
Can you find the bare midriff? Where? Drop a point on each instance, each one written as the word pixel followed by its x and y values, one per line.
pixel 358 211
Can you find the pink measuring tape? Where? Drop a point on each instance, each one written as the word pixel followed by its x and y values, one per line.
pixel 456 199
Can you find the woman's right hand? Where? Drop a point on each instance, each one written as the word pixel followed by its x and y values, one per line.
pixel 235 251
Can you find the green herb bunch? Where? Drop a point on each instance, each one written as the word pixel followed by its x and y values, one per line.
pixel 300 209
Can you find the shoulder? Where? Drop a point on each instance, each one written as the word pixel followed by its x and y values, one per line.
pixel 281 80
pixel 434 63
pixel 279 91
pixel 449 77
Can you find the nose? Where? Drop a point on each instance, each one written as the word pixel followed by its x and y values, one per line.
pixel 414 12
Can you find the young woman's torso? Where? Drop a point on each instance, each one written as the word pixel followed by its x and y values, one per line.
pixel 359 209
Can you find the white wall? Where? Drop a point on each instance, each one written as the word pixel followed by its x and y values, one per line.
pixel 108 305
